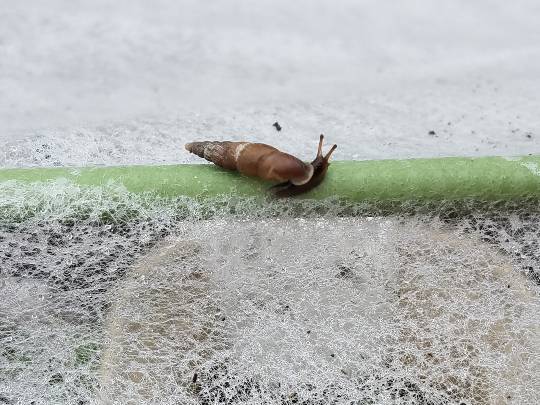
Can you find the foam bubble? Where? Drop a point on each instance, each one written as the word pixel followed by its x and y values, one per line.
pixel 322 310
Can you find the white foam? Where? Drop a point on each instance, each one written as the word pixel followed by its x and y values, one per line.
pixel 533 167
pixel 322 309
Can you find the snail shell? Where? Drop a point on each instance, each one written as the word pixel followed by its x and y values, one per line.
pixel 254 159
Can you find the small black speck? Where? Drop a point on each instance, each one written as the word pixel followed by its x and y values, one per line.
pixel 56 378
pixel 308 332
pixel 194 379
pixel 432 133
pixel 529 135
pixel 223 318
pixel 508 286
pixel 276 124
pixel 332 355
pixel 47 156
pixel 345 272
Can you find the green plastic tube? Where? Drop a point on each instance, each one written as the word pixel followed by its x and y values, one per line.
pixel 485 178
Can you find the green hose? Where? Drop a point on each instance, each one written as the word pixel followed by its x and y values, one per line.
pixel 486 178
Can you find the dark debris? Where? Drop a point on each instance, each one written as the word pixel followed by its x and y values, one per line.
pixel 277 126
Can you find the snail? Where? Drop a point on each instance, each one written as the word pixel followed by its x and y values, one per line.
pixel 268 163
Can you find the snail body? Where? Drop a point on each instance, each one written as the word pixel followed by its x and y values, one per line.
pixel 266 162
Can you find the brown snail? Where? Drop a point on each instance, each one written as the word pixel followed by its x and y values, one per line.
pixel 266 162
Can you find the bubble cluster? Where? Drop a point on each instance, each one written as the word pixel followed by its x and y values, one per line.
pixel 114 297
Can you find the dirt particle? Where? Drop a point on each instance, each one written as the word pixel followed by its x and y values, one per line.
pixel 345 272
pixel 56 378
pixel 432 133
pixel 277 126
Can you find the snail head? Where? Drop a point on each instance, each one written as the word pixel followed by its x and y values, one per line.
pixel 320 166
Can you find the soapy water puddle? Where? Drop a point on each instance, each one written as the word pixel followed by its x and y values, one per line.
pixel 140 304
